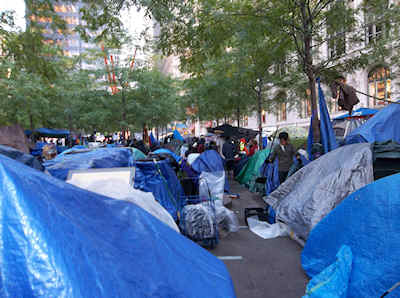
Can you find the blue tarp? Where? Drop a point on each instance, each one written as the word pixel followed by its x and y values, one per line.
pixel 58 240
pixel 362 112
pixel 99 158
pixel 169 152
pixel 271 172
pixel 210 161
pixel 328 138
pixel 384 126
pixel 177 136
pixel 368 223
pixel 160 179
pixel 334 280
pixel 153 140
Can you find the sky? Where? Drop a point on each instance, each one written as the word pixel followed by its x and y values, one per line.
pixel 19 7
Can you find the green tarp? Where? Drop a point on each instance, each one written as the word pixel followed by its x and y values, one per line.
pixel 251 170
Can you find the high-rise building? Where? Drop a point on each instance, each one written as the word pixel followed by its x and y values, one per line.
pixel 67 39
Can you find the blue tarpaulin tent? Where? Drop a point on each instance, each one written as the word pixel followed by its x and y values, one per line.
pixel 160 179
pixel 368 223
pixel 58 240
pixel 51 133
pixel 328 139
pixel 177 136
pixel 362 112
pixel 210 161
pixel 384 126
pixel 99 158
pixel 169 152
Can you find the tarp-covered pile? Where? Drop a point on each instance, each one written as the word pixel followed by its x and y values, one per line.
pixel 363 231
pixel 99 158
pixel 315 190
pixel 58 240
pixel 384 126
pixel 251 171
pixel 159 178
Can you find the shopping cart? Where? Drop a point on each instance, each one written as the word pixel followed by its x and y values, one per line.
pixel 198 219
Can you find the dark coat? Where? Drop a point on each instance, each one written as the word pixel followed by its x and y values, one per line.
pixel 347 96
pixel 285 158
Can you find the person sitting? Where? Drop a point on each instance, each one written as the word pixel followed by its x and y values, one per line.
pixel 284 152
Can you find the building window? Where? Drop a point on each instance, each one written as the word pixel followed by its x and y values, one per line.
pixel 280 68
pixel 379 86
pixel 376 29
pixel 337 45
pixel 264 117
pixel 282 113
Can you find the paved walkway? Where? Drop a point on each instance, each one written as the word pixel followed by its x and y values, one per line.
pixel 268 268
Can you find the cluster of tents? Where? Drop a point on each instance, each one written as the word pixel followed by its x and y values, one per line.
pixel 104 222
pixel 343 207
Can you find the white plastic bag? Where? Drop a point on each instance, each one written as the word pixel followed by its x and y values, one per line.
pixel 266 230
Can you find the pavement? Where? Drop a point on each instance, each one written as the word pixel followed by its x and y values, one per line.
pixel 267 268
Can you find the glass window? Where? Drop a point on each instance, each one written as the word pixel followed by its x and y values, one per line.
pixel 379 86
pixel 305 111
pixel 282 113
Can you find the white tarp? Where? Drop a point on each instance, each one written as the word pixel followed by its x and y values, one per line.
pixel 118 188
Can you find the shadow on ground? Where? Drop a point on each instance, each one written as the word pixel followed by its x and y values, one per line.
pixel 268 268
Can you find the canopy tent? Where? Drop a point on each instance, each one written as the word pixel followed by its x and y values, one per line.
pixel 384 126
pixel 366 222
pixel 227 130
pixel 98 158
pixel 360 113
pixel 50 133
pixel 312 192
pixel 58 240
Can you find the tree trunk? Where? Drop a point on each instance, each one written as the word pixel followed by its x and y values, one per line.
pixel 309 69
pixel 123 111
pixel 31 121
pixel 238 116
pixel 217 122
pixel 259 118
pixel 225 119
pixel 157 133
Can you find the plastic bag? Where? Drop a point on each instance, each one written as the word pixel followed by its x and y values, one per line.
pixel 198 221
pixel 225 217
pixel 266 230
pixel 120 190
pixel 212 184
